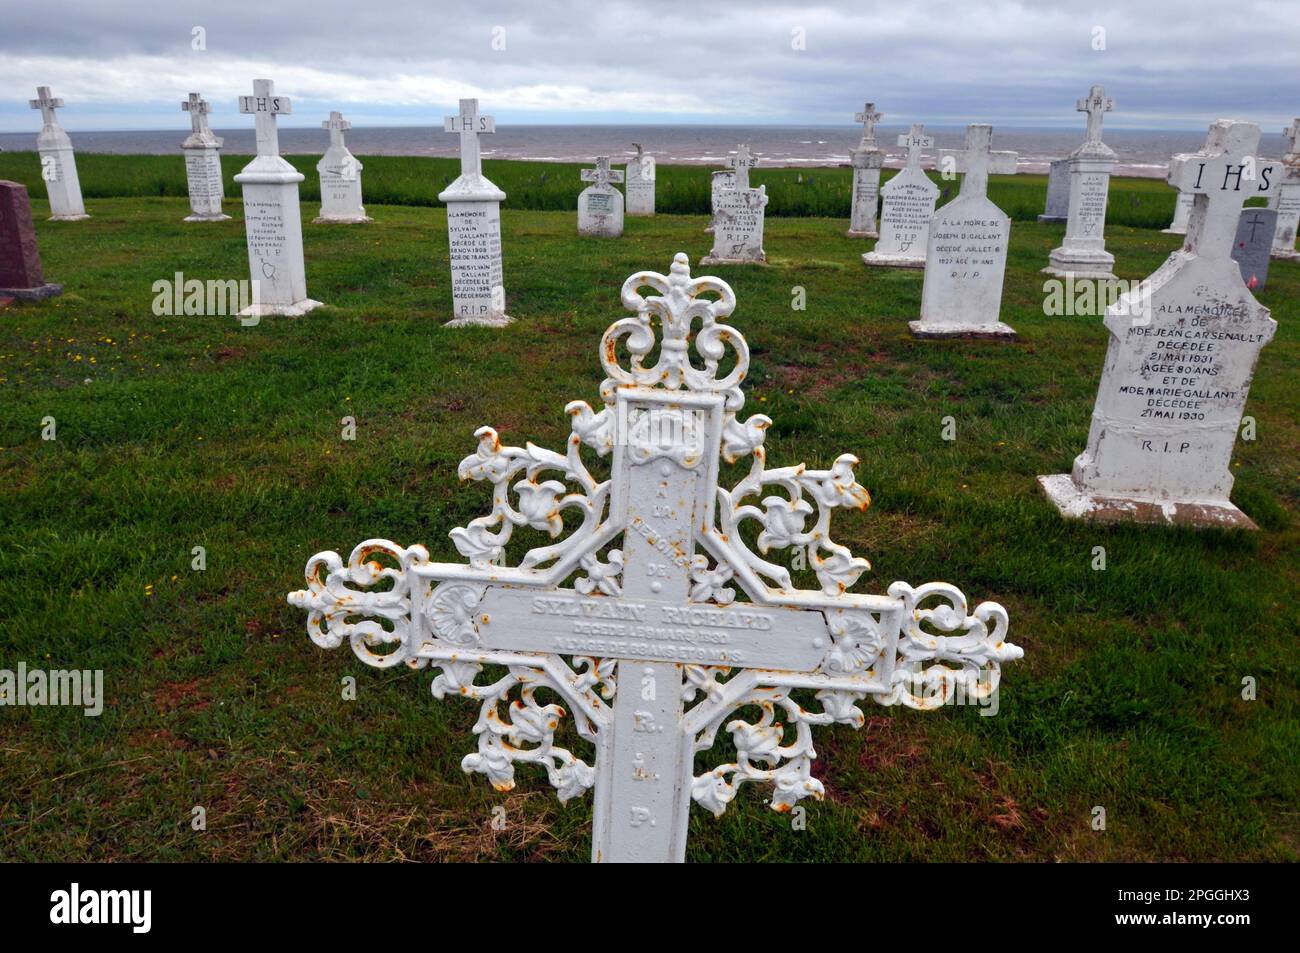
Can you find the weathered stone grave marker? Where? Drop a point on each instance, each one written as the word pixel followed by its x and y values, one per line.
pixel 1287 199
pixel 1182 353
pixel 474 227
pixel 966 255
pixel 906 209
pixel 340 179
pixel 271 215
pixel 867 160
pixel 1182 211
pixel 718 182
pixel 640 183
pixel 650 650
pixel 1057 207
pixel 600 205
pixel 20 260
pixel 58 162
pixel 1253 244
pixel 738 217
pixel 1083 253
pixel 203 164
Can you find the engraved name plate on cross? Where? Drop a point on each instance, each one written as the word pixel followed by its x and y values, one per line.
pixel 470 125
pixel 677 622
pixel 265 106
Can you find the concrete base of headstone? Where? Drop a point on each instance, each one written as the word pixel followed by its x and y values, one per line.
pixel 39 293
pixel 852 234
pixel 1075 503
pixel 1173 231
pixel 710 260
pixel 892 261
pixel 997 331
pixel 1076 267
pixel 295 310
pixel 1286 255
pixel 207 218
pixel 1052 219
pixel 357 220
pixel 490 321
pixel 68 218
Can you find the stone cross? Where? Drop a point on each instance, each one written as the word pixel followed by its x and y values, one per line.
pixel 602 175
pixel 198 108
pixel 915 141
pixel 265 106
pixel 868 117
pixel 1221 177
pixel 650 650
pixel 1096 104
pixel 46 104
pixel 742 161
pixel 336 124
pixel 1292 134
pixel 978 160
pixel 470 125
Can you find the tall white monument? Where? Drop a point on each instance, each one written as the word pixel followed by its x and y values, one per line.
pixel 867 160
pixel 340 178
pixel 676 623
pixel 966 255
pixel 271 214
pixel 474 227
pixel 1183 348
pixel 738 217
pixel 906 208
pixel 58 163
pixel 1083 253
pixel 1287 199
pixel 600 205
pixel 640 183
pixel 203 164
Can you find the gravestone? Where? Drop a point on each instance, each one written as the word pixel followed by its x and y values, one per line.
pixel 676 623
pixel 58 163
pixel 1287 199
pixel 718 182
pixel 906 209
pixel 738 217
pixel 340 179
pixel 1182 211
pixel 600 205
pixel 478 291
pixel 1183 348
pixel 203 164
pixel 1058 192
pixel 272 219
pixel 1083 252
pixel 867 160
pixel 20 260
pixel 640 183
pixel 1253 244
pixel 966 254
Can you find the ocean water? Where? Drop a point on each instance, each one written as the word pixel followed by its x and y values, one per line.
pixel 1141 153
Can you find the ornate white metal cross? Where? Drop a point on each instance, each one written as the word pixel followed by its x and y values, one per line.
pixel 868 117
pixel 1096 104
pixel 978 160
pixel 470 125
pixel 265 106
pixel 602 175
pixel 1221 176
pixel 914 141
pixel 741 162
pixel 198 109
pixel 686 623
pixel 46 104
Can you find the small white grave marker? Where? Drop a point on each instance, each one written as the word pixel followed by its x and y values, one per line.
pixel 738 214
pixel 474 227
pixel 58 163
pixel 600 205
pixel 661 642
pixel 867 160
pixel 640 183
pixel 203 164
pixel 340 179
pixel 1083 253
pixel 1287 199
pixel 271 215
pixel 1057 208
pixel 966 256
pixel 906 209
pixel 1182 211
pixel 1182 353
pixel 718 182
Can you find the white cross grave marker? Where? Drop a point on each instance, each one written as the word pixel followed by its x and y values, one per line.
pixel 1083 252
pixel 1287 198
pixel 1096 104
pixel 738 215
pixel 340 178
pixel 868 117
pixel 202 152
pixel 906 208
pixel 600 205
pixel 265 106
pixel 867 161
pixel 674 622
pixel 58 162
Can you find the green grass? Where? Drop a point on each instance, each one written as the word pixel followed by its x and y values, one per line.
pixel 177 432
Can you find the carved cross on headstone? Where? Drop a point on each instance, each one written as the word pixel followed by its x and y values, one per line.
pixel 602 175
pixel 741 161
pixel 470 125
pixel 868 117
pixel 915 141
pixel 1096 104
pixel 686 625
pixel 198 109
pixel 46 104
pixel 978 160
pixel 265 106
pixel 1221 177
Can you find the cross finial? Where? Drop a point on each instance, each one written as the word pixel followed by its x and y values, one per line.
pixel 978 160
pixel 46 104
pixel 470 125
pixel 1221 176
pixel 1096 104
pixel 265 106
pixel 336 124
pixel 602 175
pixel 198 109
pixel 914 141
pixel 1292 133
pixel 868 117
pixel 742 161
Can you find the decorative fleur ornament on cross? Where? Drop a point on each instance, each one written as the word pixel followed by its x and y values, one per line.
pixel 677 622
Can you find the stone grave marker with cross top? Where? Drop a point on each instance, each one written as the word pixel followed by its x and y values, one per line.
pixel 867 160
pixel 1287 198
pixel 1182 352
pixel 272 218
pixel 1253 244
pixel 58 162
pixel 473 202
pixel 1083 252
pixel 738 213
pixel 202 151
pixel 640 183
pixel 600 205
pixel 906 208
pixel 966 252
pixel 340 179
pixel 676 623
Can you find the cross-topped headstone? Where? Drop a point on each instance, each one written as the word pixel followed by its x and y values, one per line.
pixel 906 209
pixel 58 161
pixel 600 205
pixel 470 124
pixel 1083 253
pixel 1221 177
pixel 602 175
pixel 198 109
pixel 265 106
pixel 340 178
pixel 675 623
pixel 640 183
pixel 46 104
pixel 202 164
pixel 740 162
pixel 868 117
pixel 1286 200
pixel 1096 104
pixel 977 160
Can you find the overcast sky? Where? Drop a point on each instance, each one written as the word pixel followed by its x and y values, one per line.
pixel 1176 64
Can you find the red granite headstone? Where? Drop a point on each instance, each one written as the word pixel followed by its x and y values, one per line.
pixel 20 262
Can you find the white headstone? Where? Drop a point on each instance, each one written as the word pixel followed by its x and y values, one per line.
pixel 660 642
pixel 718 182
pixel 1182 211
pixel 1057 208
pixel 906 209
pixel 1287 199
pixel 738 214
pixel 203 164
pixel 866 160
pixel 474 227
pixel 1083 253
pixel 600 205
pixel 272 217
pixel 966 256
pixel 1182 353
pixel 640 183
pixel 340 178
pixel 58 163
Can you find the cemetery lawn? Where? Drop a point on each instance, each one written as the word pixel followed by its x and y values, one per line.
pixel 177 432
